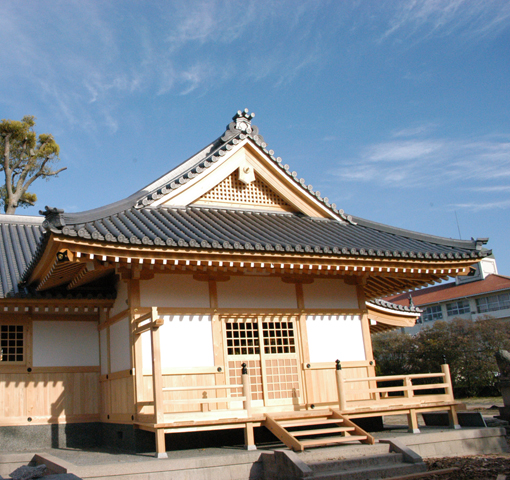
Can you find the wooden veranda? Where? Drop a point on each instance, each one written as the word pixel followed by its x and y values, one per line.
pixel 191 408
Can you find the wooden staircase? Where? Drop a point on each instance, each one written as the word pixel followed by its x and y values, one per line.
pixel 301 430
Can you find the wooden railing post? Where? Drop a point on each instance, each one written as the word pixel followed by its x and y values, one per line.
pixel 340 386
pixel 408 387
pixel 452 412
pixel 249 437
pixel 157 383
pixel 445 368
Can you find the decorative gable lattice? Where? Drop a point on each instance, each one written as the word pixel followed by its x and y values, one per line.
pixel 234 192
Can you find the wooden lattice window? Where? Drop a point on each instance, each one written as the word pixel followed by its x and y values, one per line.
pixel 12 344
pixel 278 337
pixel 232 190
pixel 243 338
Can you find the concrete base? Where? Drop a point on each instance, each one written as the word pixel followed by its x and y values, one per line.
pixel 453 443
pixel 37 437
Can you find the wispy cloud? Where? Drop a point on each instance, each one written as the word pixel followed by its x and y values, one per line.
pixel 479 207
pixel 414 131
pixel 419 162
pixel 473 19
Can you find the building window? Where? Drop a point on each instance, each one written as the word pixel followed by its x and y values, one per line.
pixel 12 344
pixel 457 308
pixel 432 313
pixel 493 303
pixel 243 338
pixel 278 337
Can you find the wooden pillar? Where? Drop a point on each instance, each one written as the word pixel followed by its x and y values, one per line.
pixel 452 412
pixel 412 421
pixel 137 356
pixel 342 401
pixel 249 437
pixel 157 385
pixel 304 349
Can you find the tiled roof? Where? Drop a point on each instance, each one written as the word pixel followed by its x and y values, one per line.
pixel 231 229
pixel 451 291
pixel 19 238
pixel 379 302
pixel 138 221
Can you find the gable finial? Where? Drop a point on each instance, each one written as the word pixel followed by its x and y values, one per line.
pixel 241 125
pixel 243 120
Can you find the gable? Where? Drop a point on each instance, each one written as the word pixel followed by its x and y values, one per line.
pixel 233 192
pixel 246 179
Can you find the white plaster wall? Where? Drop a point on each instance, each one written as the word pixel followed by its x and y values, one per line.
pixel 335 337
pixel 174 291
pixel 120 350
pixel 330 293
pixel 121 299
pixel 256 292
pixel 103 347
pixel 65 344
pixel 186 341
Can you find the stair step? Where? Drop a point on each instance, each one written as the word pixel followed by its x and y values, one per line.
pixel 378 460
pixel 306 422
pixel 389 471
pixel 320 431
pixel 284 416
pixel 317 442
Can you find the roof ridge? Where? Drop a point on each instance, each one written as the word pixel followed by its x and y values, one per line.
pixel 238 130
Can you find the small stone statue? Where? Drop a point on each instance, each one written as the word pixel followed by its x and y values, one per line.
pixel 503 361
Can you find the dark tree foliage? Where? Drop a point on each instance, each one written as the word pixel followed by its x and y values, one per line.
pixel 469 347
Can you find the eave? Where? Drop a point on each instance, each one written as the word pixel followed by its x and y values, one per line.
pixel 386 320
pixel 88 260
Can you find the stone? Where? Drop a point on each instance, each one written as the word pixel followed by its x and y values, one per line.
pixel 26 473
pixel 503 361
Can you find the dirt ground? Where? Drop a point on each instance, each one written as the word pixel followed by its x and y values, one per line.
pixel 474 467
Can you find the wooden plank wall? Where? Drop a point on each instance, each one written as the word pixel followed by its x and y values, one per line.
pixel 117 397
pixel 50 395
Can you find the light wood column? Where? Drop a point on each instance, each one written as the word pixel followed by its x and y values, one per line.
pixel 303 344
pixel 136 340
pixel 365 328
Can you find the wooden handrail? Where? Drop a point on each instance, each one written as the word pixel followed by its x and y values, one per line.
pixel 378 394
pixel 390 378
pixel 207 387
pixel 193 401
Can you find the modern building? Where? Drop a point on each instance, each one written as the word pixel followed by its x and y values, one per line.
pixel 480 294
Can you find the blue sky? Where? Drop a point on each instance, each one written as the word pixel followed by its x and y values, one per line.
pixel 397 111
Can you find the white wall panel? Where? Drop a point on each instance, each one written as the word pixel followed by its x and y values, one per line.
pixel 186 341
pixel 121 299
pixel 330 293
pixel 335 337
pixel 174 291
pixel 65 344
pixel 120 350
pixel 256 292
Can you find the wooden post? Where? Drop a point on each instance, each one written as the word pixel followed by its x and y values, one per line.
pixel 445 368
pixel 452 412
pixel 157 385
pixel 249 437
pixel 412 421
pixel 408 387
pixel 340 387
